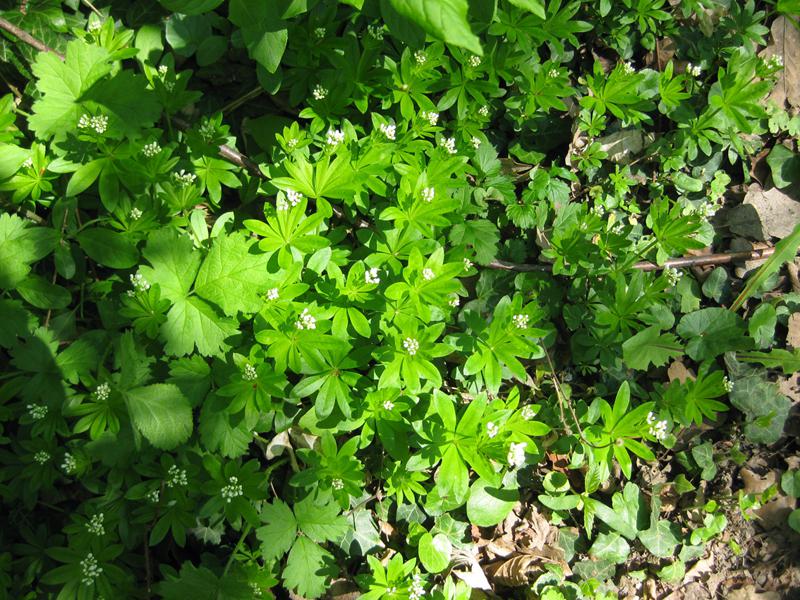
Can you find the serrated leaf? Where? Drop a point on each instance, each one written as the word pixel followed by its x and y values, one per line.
pixel 320 522
pixel 161 413
pixel 222 432
pixel 307 568
pixel 481 234
pixel 201 583
pixel 20 246
pixel 192 322
pixel 712 331
pixel 280 531
pixel 174 263
pixel 650 346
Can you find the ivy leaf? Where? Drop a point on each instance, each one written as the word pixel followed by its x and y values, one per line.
pixel 320 522
pixel 362 535
pixel 765 407
pixel 660 539
pixel 280 531
pixel 233 275
pixel 712 331
pixel 624 516
pixel 161 413
pixel 443 19
pixel 610 546
pixel 308 568
pixel 650 346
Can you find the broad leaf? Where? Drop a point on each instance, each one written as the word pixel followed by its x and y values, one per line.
pixel 161 413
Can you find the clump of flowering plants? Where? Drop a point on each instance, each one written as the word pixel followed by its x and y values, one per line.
pixel 298 292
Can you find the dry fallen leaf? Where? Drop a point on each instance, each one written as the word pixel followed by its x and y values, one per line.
pixel 786 44
pixel 677 370
pixel 475 577
pixel 515 570
pixel 793 335
pixel 749 592
pixel 623 145
pixel 765 214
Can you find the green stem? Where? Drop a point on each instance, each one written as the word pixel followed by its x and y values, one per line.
pixel 245 531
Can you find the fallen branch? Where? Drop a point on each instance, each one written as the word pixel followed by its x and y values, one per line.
pixel 28 38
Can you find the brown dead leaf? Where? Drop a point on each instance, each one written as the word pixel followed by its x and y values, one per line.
pixel 764 214
pixel 475 577
pixel 677 370
pixel 622 146
pixel 514 571
pixel 749 592
pixel 278 445
pixel 793 335
pixel 786 44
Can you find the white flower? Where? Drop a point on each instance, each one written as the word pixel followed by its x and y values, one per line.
pixel 41 457
pixel 153 496
pixel 417 589
pixel 334 137
pixel 293 197
pixel 775 61
pixel 673 275
pixel 272 294
pixel 291 143
pixel 388 405
pixel 376 31
pixel 694 70
pixel 528 412
pixel 319 92
pixel 135 214
pixel 492 429
pixel 420 57
pixel 28 163
pixel 90 569
pixel 281 204
pixel 467 264
pixel 428 274
pixel 232 490
pixel 658 429
pixel 250 373
pixel 474 61
pixel 182 178
pixel 449 144
pixel 37 411
pixel 372 276
pixel 95 525
pixel 99 123
pixel 69 464
pixel 483 111
pixel 727 384
pixel 84 122
pixel 151 149
pixel 411 345
pixel 476 142
pixel 516 454
pixel 431 117
pixel 553 73
pixel 257 593
pixel 162 69
pixel 337 484
pixel 176 477
pixel 94 25
pixel 305 321
pixel 139 283
pixel 390 131
pixel 428 194
pixel 102 392
pixel 628 68
pixel 520 321
pixel 320 32
pixel 454 301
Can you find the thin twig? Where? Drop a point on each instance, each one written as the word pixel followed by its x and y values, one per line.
pixel 28 38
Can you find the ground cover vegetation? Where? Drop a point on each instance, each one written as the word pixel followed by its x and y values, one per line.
pixel 379 298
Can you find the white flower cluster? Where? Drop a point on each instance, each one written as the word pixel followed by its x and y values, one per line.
pixel 694 70
pixel 176 477
pixel 483 111
pixel 334 137
pixel 182 178
pixel 492 429
pixel 153 495
pixel 467 264
pixel 250 373
pixel 376 31
pixel 449 144
pixel 273 294
pixel 528 412
pixel 727 384
pixel 476 142
pixel 628 68
pixel 257 593
pixel 69 464
pixel 320 32
pixel 305 321
pixel 474 61
pixel 428 194
pixel 420 57
pixel 673 275
pixel 411 345
pixel 553 73
pixel 417 589
pixel 428 274
pixel 41 457
pixel 28 163
pixel 139 283
pixel 232 490
pixel 372 276
pixel 102 392
pixel 151 149
pixel 520 321
pixel 516 454
pixel 37 411
pixel 431 117
pixel 319 92
pixel 390 131
pixel 291 143
pixel 292 199
pixel 162 70
pixel 454 301
pixel 95 525
pixel 775 61
pixel 98 123
pixel 90 569
pixel 388 405
pixel 658 429
pixel 337 484
pixel 135 214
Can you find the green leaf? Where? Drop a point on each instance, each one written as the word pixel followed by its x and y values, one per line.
pixel 308 568
pixel 794 519
pixel 785 250
pixel 434 552
pixel 200 583
pixel 610 546
pixel 174 263
pixel 192 322
pixel 650 346
pixel 233 275
pixel 789 362
pixel 11 159
pixel 703 455
pixel 481 234
pixel 790 483
pixel 320 522
pixel 761 325
pixel 712 331
pixel 280 531
pixel 624 517
pixel 661 539
pixel 84 176
pixel 785 166
pixel 263 30
pixel 765 407
pixel 190 7
pixel 534 6
pixel 109 248
pixel 20 246
pixel 487 505
pixel 443 19
pixel 222 432
pixel 40 293
pixel 161 413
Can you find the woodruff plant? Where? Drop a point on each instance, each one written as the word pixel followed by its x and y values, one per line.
pixel 221 370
